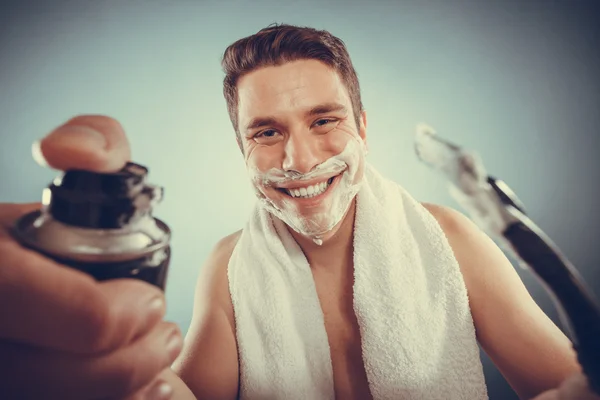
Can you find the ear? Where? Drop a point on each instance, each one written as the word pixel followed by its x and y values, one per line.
pixel 362 130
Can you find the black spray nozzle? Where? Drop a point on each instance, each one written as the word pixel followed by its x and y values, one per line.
pixel 100 200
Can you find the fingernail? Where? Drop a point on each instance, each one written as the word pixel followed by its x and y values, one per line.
pixel 160 391
pixel 38 155
pixel 82 135
pixel 155 309
pixel 174 344
pixel 156 306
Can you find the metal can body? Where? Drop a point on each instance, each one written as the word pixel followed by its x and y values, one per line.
pixel 101 224
pixel 143 268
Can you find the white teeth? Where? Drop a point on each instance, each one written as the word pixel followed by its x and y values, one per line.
pixel 309 191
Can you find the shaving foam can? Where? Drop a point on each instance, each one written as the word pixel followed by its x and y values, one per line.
pixel 101 224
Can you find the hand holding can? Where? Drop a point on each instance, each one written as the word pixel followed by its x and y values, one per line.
pixel 64 333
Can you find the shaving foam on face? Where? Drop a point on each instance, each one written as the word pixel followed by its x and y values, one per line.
pixel 315 222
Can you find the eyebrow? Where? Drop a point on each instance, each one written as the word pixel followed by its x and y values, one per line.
pixel 259 122
pixel 324 108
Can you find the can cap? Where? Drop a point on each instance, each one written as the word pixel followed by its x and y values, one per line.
pixel 101 200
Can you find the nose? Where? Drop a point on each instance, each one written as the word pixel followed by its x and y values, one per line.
pixel 301 154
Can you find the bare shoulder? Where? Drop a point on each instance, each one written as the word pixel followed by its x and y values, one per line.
pixel 436 209
pixel 212 287
pixel 214 270
pixel 221 252
pixel 225 246
pixel 472 248
pixel 525 345
pixel 481 261
pixel 208 363
pixel 465 239
pixel 451 221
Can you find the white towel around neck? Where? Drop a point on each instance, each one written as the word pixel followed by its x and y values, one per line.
pixel 418 338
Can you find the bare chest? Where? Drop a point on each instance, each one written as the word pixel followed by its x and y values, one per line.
pixel 336 298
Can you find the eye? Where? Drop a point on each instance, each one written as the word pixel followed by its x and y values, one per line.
pixel 269 133
pixel 324 125
pixel 324 121
pixel 266 136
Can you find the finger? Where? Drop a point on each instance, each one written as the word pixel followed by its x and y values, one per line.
pixel 576 387
pixel 158 389
pixel 46 304
pixel 90 142
pixel 10 212
pixel 114 375
pixel 548 395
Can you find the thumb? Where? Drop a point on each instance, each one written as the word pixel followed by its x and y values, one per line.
pixel 548 395
pixel 89 142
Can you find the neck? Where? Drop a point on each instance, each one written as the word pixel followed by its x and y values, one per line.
pixel 337 249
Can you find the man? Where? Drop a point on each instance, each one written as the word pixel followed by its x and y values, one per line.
pixel 294 101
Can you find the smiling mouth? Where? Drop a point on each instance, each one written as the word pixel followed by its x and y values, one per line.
pixel 307 192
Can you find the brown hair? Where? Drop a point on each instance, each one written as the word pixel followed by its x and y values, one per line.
pixel 277 44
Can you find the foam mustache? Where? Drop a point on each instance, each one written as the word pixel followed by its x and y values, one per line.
pixel 275 176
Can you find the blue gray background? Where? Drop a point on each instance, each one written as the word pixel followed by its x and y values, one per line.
pixel 513 80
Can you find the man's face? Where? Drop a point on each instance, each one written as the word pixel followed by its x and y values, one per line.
pixel 303 150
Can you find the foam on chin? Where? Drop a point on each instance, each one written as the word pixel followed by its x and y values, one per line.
pixel 339 201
